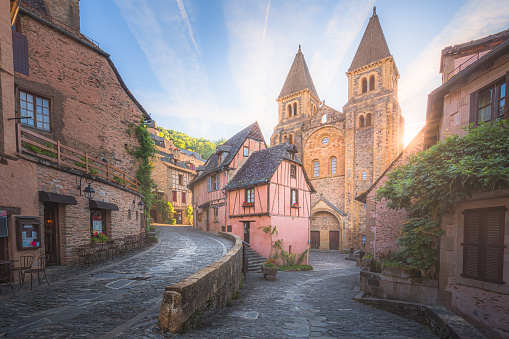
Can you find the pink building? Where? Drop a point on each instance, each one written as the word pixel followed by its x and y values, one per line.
pixel 245 186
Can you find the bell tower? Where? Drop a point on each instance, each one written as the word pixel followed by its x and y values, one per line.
pixel 373 121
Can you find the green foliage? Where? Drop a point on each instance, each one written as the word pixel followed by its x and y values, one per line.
pixel 296 268
pixel 165 208
pixel 144 153
pixel 302 256
pixel 428 186
pixel 173 221
pixel 181 140
pixel 48 150
pixel 269 230
pixel 189 213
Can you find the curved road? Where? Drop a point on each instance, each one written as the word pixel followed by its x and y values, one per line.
pixel 105 299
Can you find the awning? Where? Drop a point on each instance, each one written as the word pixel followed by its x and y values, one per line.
pixel 205 205
pixel 59 198
pixel 103 205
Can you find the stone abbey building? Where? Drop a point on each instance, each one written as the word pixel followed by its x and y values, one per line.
pixel 344 152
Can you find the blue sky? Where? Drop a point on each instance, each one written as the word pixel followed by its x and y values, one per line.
pixel 209 68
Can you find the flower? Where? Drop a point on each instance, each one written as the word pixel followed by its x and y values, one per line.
pixel 271 263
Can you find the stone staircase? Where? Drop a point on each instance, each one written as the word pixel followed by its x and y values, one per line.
pixel 255 260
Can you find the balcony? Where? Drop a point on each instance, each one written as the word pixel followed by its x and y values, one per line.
pixel 34 145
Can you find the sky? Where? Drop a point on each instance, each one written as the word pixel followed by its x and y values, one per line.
pixel 209 68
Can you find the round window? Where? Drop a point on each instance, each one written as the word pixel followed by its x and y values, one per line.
pixel 325 141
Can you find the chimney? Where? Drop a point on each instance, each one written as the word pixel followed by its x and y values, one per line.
pixel 66 11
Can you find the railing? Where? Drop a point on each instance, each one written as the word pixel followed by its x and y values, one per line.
pixel 36 145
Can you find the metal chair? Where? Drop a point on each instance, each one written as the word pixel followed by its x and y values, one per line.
pixel 5 275
pixel 41 268
pixel 25 263
pixel 113 248
pixel 85 254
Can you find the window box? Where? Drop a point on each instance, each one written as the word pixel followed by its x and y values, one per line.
pixel 248 204
pixel 295 205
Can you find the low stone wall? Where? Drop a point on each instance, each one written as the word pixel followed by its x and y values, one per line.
pixel 188 302
pixel 415 290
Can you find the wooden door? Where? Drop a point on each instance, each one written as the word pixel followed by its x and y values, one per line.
pixel 52 233
pixel 315 240
pixel 334 240
pixel 247 231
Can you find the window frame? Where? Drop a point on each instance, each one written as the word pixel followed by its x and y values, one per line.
pixel 216 215
pixel 174 196
pixel 478 259
pixel 494 105
pixel 245 151
pixel 249 195
pixel 335 165
pixel 294 197
pixel 364 175
pixel 181 179
pixel 183 195
pixel 34 104
pixel 316 169
pixel 209 184
pixel 216 182
pixel 293 171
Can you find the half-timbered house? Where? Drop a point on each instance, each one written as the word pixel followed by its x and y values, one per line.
pixel 271 188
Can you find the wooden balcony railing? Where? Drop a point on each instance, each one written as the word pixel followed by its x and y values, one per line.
pixel 36 145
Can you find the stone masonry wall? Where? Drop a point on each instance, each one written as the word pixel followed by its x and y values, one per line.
pixel 204 292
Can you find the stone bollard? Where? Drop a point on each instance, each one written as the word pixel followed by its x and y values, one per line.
pixel 170 315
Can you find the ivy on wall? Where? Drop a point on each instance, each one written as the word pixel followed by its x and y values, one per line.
pixel 431 182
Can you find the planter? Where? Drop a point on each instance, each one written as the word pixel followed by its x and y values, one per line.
pixel 400 272
pixel 269 273
pixel 366 262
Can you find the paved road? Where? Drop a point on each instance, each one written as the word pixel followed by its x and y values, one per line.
pixel 112 298
pixel 306 304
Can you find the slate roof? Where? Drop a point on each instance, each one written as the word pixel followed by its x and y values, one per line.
pixel 373 46
pixel 298 78
pixel 331 205
pixel 234 143
pixel 192 153
pixel 261 166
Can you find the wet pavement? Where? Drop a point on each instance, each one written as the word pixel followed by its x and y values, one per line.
pixel 108 298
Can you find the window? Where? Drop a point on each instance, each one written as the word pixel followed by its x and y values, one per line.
pixel 250 195
pixel 209 184
pixel 294 198
pixel 483 247
pixel 361 121
pixel 35 110
pixel 289 109
pixel 184 197
pixel 371 82
pixel 364 85
pixel 294 108
pixel 293 171
pixel 316 168
pixel 174 195
pixel 333 165
pixel 216 182
pixel 181 179
pixel 199 216
pixel 290 139
pixel 19 50
pixel 191 166
pixel 325 141
pixel 364 175
pixel 216 214
pixel 368 119
pixel 285 139
pixel 489 103
pixel 128 214
pixel 246 151
pixel 324 118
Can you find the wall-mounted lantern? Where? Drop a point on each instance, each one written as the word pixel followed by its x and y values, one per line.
pixel 88 191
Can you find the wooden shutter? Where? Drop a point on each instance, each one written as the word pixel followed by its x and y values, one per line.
pixel 506 95
pixel 174 195
pixel 493 244
pixel 20 52
pixel 471 244
pixel 473 108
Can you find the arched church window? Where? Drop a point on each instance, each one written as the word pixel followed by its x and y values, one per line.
pixel 372 83
pixel 368 119
pixel 314 109
pixel 316 168
pixel 364 175
pixel 333 165
pixel 289 109
pixel 364 85
pixel 324 118
pixel 361 121
pixel 290 139
pixel 285 139
pixel 294 108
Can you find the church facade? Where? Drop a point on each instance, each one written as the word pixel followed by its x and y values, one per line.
pixel 343 152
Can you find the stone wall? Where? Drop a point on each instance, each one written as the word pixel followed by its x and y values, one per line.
pixel 203 293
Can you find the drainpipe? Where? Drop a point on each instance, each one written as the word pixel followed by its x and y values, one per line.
pixel 225 196
pixel 374 244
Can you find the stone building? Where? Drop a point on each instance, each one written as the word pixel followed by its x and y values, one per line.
pixel 65 117
pixel 344 152
pixel 173 170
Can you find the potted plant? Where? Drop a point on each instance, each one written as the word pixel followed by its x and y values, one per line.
pixel 247 204
pixel 269 269
pixel 99 238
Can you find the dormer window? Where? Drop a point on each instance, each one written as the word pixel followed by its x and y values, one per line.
pixel 246 151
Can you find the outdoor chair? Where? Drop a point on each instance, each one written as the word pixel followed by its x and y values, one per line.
pixel 25 263
pixel 113 248
pixel 5 275
pixel 41 268
pixel 99 249
pixel 84 253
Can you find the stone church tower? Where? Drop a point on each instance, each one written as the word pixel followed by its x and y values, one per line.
pixel 344 153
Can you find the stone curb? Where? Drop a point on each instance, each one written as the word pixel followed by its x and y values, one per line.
pixel 444 323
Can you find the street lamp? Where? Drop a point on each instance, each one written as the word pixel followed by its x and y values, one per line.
pixel 141 205
pixel 88 191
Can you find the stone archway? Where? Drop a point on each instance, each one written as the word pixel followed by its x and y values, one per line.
pixel 328 222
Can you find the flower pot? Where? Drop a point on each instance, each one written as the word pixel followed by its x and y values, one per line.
pixel 269 273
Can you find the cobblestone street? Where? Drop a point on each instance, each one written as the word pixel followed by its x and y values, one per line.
pixel 110 297
pixel 316 303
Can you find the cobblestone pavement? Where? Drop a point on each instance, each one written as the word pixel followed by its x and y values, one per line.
pixel 313 304
pixel 108 298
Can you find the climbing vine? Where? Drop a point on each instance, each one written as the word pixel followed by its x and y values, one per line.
pixel 165 208
pixel 189 213
pixel 430 183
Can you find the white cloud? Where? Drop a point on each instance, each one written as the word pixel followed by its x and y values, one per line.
pixel 474 20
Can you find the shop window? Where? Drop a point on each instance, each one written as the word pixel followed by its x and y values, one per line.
pixel 293 171
pixel 316 168
pixel 34 110
pixel 28 234
pixel 489 103
pixel 98 221
pixel 483 246
pixel 333 165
